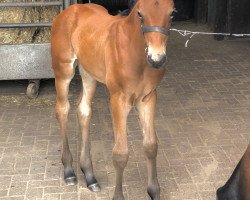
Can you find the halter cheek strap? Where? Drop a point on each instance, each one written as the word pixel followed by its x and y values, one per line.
pixel 146 29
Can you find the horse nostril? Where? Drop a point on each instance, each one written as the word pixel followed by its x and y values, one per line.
pixel 157 63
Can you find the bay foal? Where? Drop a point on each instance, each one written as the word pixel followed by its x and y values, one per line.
pixel 128 55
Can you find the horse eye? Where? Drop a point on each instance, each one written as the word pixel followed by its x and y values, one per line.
pixel 172 15
pixel 140 16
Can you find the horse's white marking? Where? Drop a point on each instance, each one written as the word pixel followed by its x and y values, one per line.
pixel 73 62
pixel 84 107
pixel 66 108
pixel 156 54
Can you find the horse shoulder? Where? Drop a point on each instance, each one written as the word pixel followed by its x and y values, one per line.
pixel 91 41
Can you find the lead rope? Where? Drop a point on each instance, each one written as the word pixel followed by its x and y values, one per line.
pixel 185 33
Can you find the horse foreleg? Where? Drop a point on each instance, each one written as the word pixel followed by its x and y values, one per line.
pixel 84 115
pixel 62 81
pixel 146 113
pixel 120 107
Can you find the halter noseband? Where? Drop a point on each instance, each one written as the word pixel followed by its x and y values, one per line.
pixel 146 29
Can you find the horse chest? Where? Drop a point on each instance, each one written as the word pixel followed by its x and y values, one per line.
pixel 141 84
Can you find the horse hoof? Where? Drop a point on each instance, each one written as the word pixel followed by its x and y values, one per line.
pixel 95 187
pixel 118 198
pixel 153 193
pixel 70 180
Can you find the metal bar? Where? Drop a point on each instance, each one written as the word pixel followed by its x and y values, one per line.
pixel 73 2
pixel 30 4
pixel 67 3
pixel 61 6
pixel 24 25
pixel 25 61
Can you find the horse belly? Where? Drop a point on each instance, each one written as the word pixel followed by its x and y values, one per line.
pixel 95 69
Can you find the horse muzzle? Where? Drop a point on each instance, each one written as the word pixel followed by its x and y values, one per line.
pixel 157 61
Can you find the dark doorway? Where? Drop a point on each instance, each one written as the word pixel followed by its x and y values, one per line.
pixel 231 16
pixel 111 5
pixel 185 8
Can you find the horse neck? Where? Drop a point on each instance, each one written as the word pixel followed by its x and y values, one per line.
pixel 133 24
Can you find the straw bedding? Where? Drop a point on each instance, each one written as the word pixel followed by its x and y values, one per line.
pixel 26 15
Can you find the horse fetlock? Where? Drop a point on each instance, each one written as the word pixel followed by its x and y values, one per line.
pixel 66 157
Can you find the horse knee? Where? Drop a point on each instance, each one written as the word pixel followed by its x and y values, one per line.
pixel 150 149
pixel 62 108
pixel 120 157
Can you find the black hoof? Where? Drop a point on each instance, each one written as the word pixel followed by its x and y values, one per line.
pixel 95 187
pixel 118 198
pixel 70 176
pixel 92 183
pixel 71 180
pixel 153 194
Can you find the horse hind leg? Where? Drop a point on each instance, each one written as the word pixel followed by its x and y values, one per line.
pixel 64 73
pixel 84 115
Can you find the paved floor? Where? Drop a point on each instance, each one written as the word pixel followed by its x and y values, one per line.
pixel 202 121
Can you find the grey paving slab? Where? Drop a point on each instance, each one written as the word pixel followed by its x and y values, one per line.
pixel 202 122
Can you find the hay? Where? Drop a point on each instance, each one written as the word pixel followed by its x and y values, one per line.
pixel 26 15
pixel 19 100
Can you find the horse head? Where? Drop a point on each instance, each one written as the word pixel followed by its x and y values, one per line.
pixel 155 17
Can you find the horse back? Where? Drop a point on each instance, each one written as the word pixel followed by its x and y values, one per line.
pixel 81 31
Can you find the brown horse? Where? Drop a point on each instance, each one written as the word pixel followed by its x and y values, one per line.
pixel 127 54
pixel 238 185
